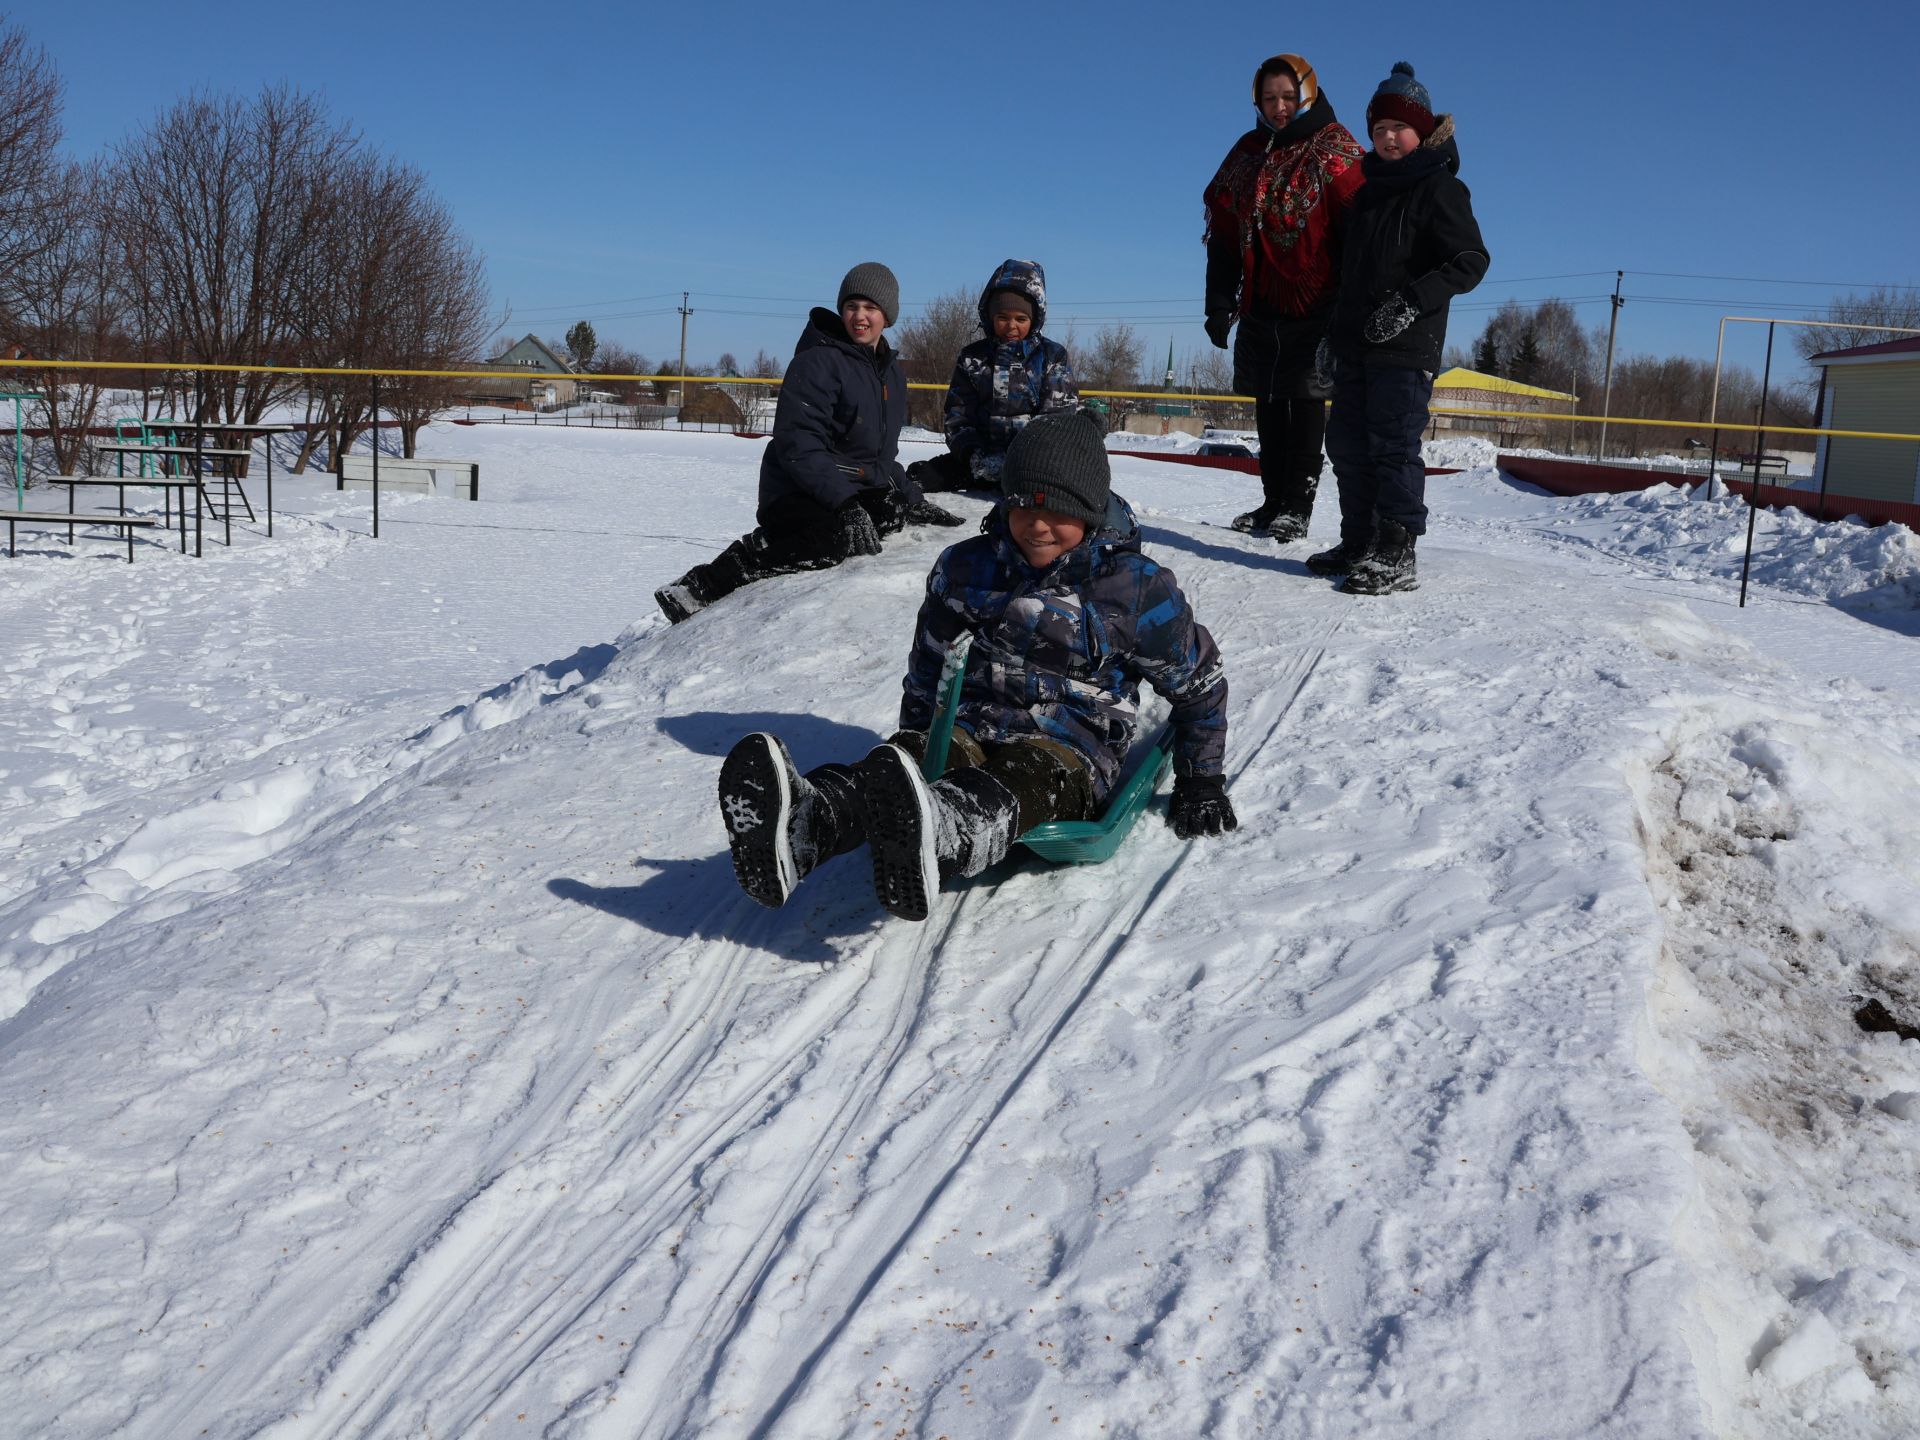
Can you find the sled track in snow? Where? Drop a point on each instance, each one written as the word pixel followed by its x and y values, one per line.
pixel 633 1145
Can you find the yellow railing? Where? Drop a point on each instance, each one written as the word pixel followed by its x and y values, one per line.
pixel 1536 416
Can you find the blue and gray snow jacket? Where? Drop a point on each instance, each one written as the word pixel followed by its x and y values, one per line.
pixel 836 430
pixel 997 387
pixel 1060 652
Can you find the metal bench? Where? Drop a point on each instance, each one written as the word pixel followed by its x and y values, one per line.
pixel 54 520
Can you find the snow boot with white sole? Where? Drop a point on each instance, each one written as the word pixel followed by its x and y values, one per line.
pixel 780 825
pixel 922 834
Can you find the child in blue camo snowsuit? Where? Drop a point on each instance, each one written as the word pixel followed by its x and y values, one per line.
pixel 1000 382
pixel 1068 616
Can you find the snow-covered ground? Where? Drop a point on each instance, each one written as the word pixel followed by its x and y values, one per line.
pixel 388 1051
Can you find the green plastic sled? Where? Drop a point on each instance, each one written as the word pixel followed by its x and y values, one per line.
pixel 1067 842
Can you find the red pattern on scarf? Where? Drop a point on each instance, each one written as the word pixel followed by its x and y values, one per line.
pixel 1286 203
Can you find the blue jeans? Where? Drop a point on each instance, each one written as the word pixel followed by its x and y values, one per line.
pixel 1373 439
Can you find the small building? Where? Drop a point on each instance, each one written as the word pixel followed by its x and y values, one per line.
pixel 1870 387
pixel 516 386
pixel 1464 389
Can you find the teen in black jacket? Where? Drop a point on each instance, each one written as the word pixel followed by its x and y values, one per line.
pixel 830 482
pixel 1412 245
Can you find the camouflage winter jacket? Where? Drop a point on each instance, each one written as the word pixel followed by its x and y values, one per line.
pixel 998 386
pixel 1060 652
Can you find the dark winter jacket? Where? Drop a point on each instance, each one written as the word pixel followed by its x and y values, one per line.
pixel 836 431
pixel 1412 231
pixel 996 387
pixel 1060 652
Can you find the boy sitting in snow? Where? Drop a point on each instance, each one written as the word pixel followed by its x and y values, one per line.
pixel 1000 382
pixel 1068 616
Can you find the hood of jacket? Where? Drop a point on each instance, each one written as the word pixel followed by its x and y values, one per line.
pixel 1022 277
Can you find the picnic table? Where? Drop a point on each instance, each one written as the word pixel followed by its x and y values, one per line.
pixel 176 455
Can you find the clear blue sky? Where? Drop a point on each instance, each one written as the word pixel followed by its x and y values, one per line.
pixel 749 153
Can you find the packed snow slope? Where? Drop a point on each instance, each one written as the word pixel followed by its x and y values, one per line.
pixel 388 1050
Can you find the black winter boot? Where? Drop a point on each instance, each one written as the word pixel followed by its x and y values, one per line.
pixel 1258 518
pixel 1339 560
pixel 924 834
pixel 1288 528
pixel 1388 567
pixel 781 825
pixel 704 584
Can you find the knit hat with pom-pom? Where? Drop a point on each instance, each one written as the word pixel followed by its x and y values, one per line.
pixel 1403 98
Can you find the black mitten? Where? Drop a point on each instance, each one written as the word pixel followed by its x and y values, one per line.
pixel 1390 317
pixel 1200 807
pixel 925 512
pixel 1217 326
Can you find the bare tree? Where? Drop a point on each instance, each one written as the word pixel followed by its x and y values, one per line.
pixel 1113 361
pixel 765 367
pixel 29 133
pixel 613 358
pixel 928 346
pixel 1867 318
pixel 69 306
pixel 218 199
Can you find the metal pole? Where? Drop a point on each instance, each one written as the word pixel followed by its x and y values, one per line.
pixel 684 313
pixel 1759 449
pixel 1606 401
pixel 1820 420
pixel 376 457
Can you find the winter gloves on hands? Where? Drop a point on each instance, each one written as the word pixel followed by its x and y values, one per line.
pixel 1394 314
pixel 925 512
pixel 1200 807
pixel 857 533
pixel 1218 324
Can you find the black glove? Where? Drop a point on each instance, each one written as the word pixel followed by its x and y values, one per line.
pixel 1320 382
pixel 1200 807
pixel 1390 317
pixel 888 508
pixel 1218 324
pixel 857 535
pixel 925 512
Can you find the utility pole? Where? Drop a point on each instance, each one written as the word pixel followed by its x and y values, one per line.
pixel 1606 402
pixel 681 389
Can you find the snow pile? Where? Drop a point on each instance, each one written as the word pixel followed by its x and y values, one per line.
pixel 391 1052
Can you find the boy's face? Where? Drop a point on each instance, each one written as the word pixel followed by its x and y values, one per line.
pixel 1011 323
pixel 1393 139
pixel 864 320
pixel 1042 535
pixel 1279 99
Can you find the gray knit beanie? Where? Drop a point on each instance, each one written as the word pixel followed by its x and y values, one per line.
pixel 870 280
pixel 1058 462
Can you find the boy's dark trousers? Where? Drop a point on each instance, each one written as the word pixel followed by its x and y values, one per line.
pixel 794 535
pixel 1373 439
pixel 1047 779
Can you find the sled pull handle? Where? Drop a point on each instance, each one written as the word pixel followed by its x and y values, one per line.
pixel 953 672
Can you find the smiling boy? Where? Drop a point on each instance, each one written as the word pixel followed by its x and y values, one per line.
pixel 1068 616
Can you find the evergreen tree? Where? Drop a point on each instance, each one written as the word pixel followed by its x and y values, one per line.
pixel 581 343
pixel 1486 355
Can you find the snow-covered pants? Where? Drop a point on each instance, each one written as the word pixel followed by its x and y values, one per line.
pixel 1049 780
pixel 1373 439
